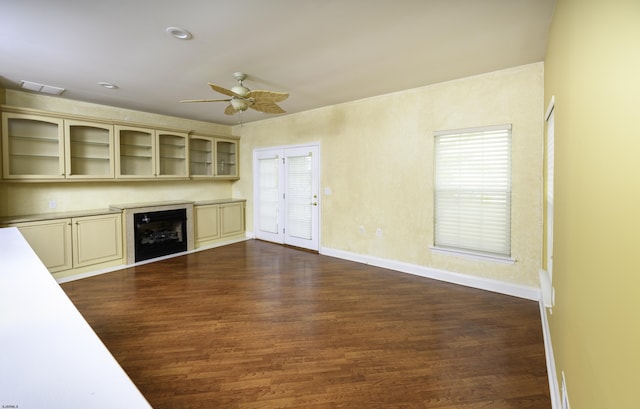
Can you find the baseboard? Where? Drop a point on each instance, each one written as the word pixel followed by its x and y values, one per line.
pixel 92 273
pixel 529 293
pixel 235 239
pixel 515 290
pixel 554 389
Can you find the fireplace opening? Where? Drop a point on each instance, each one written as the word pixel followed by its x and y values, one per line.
pixel 160 233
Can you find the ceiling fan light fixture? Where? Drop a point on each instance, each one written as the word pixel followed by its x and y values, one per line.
pixel 240 90
pixel 239 104
pixel 179 33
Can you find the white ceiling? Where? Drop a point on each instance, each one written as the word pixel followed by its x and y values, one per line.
pixel 322 52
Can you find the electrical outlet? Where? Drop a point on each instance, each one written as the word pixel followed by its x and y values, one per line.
pixel 379 232
pixel 361 229
pixel 52 204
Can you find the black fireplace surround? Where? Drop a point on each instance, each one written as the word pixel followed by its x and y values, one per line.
pixel 160 233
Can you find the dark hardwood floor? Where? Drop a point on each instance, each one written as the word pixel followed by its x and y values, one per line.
pixel 258 325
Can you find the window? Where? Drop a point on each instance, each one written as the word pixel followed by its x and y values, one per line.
pixel 473 190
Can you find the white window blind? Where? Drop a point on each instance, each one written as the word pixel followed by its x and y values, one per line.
pixel 268 194
pixel 473 190
pixel 299 196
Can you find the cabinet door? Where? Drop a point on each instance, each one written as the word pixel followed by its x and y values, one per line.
pixel 32 146
pixel 97 239
pixel 231 219
pixel 51 241
pixel 226 159
pixel 88 150
pixel 201 157
pixel 206 226
pixel 135 152
pixel 173 154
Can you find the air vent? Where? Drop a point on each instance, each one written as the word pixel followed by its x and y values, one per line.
pixel 46 89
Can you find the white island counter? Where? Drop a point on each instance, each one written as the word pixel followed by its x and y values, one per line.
pixel 49 356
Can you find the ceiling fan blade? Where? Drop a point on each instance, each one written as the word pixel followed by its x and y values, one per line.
pixel 229 110
pixel 224 91
pixel 267 107
pixel 206 100
pixel 269 96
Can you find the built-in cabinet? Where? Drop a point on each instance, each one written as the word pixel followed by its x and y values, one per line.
pixel 201 156
pixel 149 153
pixel 226 159
pixel 218 221
pixel 231 219
pixel 39 147
pixel 75 242
pixel 88 150
pixel 212 157
pixel 51 241
pixel 32 147
pixel 96 239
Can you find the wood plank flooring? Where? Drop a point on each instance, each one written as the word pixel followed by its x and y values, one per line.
pixel 258 325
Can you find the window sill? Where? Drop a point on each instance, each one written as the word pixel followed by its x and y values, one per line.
pixel 473 255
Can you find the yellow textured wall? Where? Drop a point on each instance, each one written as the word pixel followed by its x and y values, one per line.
pixel 376 158
pixel 593 70
pixel 31 198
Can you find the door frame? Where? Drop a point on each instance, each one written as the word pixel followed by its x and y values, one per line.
pixel 256 214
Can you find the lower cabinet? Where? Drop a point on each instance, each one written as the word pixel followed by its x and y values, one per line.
pixel 72 243
pixel 231 219
pixel 96 239
pixel 207 227
pixel 51 240
pixel 214 222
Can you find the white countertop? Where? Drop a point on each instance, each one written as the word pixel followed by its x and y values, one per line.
pixel 49 355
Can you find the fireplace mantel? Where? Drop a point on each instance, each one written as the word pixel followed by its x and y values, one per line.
pixel 166 205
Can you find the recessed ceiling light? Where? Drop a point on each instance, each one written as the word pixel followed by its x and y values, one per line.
pixel 179 33
pixel 107 85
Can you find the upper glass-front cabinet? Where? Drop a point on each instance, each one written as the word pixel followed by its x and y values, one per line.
pixel 135 152
pixel 212 157
pixel 147 153
pixel 173 154
pixel 200 156
pixel 32 147
pixel 41 147
pixel 226 159
pixel 88 150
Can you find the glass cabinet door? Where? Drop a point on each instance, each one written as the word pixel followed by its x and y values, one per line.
pixel 200 156
pixel 226 159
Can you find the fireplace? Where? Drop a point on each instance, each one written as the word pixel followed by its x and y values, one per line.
pixel 157 229
pixel 159 233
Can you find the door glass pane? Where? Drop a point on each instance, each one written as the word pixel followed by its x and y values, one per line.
pixel 299 196
pixel 268 170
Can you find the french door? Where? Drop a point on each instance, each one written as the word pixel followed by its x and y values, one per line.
pixel 286 181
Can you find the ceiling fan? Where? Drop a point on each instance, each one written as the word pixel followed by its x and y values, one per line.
pixel 243 98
